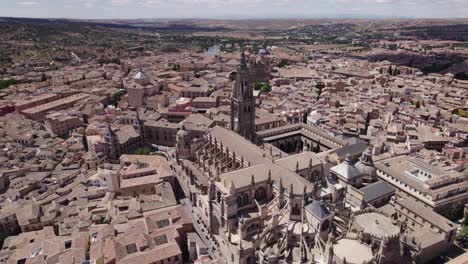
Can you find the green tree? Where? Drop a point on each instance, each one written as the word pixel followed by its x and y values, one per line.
pixel 258 86
pixel 418 104
pixel 7 83
pixel 2 239
pixel 116 97
pixel 143 151
pixel 465 220
pixel 462 113
pixel 462 237
pixel 266 87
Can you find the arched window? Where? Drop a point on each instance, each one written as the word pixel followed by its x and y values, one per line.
pixel 253 227
pixel 239 201
pixel 245 199
pixel 260 194
pixel 295 209
pixel 314 176
pixel 325 225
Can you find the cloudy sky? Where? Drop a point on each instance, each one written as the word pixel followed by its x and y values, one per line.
pixel 234 8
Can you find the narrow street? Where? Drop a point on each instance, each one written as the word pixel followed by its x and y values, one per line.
pixel 201 230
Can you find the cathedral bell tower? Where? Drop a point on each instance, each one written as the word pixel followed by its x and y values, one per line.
pixel 243 102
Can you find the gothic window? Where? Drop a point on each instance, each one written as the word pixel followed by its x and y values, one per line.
pixel 260 194
pixel 295 210
pixel 239 201
pixel 325 225
pixel 242 200
pixel 218 197
pixel 315 175
pixel 245 199
pixel 253 227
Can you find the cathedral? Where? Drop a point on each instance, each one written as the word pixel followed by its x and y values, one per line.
pixel 260 204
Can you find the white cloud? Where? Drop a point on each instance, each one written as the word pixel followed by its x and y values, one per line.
pixel 85 3
pixel 119 2
pixel 217 3
pixel 27 3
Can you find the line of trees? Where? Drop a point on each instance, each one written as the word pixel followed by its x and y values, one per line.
pixel 7 83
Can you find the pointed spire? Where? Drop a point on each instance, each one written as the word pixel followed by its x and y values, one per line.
pixel 243 61
pixel 269 175
pixel 252 181
pixel 232 187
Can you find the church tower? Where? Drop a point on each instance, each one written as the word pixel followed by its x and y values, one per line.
pixel 243 102
pixel 112 141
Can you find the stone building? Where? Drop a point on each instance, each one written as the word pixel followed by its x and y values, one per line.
pixel 435 187
pixel 138 174
pixel 244 193
pixel 243 102
pixel 140 87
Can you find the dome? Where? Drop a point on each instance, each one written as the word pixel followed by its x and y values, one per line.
pixel 366 165
pixel 140 76
pixel 263 52
pixel 366 170
pixel 346 170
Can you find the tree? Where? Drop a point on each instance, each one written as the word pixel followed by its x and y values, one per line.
pixel 263 86
pixel 418 104
pixel 143 151
pixel 454 212
pixel 462 237
pixel 258 86
pixel 2 239
pixel 116 97
pixel 266 87
pixel 465 220
pixel 7 83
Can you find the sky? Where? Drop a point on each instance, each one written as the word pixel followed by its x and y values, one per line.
pixel 231 9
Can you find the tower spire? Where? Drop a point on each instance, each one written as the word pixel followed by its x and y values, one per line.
pixel 243 101
pixel 243 60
